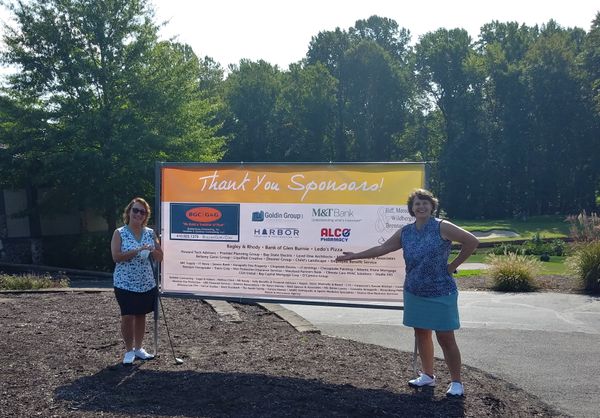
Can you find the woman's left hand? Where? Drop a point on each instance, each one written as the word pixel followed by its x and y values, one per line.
pixel 157 253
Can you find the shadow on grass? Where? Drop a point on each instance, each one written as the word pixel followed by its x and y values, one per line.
pixel 138 391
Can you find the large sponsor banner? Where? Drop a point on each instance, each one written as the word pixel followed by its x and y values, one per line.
pixel 272 232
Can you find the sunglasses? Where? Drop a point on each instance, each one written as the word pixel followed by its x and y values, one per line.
pixel 141 211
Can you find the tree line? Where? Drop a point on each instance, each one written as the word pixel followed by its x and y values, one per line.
pixel 509 122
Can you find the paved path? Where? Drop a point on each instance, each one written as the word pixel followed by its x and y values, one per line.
pixel 545 343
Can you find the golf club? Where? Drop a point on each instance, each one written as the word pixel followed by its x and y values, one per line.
pixel 158 301
pixel 178 360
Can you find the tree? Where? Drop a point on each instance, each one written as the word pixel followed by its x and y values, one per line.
pixel 329 48
pixel 251 92
pixel 386 33
pixel 23 138
pixel 378 94
pixel 591 61
pixel 450 72
pixel 503 47
pixel 306 112
pixel 111 98
pixel 371 62
pixel 560 123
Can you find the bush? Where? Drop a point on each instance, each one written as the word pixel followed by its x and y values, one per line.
pixel 584 227
pixel 585 264
pixel 558 247
pixel 31 281
pixel 513 272
pixel 506 248
pixel 535 246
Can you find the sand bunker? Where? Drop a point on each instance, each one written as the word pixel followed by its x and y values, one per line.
pixel 495 233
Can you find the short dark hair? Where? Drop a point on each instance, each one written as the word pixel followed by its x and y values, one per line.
pixel 422 194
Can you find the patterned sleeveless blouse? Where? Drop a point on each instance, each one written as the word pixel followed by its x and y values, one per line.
pixel 136 274
pixel 426 256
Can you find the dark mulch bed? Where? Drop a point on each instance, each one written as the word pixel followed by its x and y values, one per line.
pixel 61 356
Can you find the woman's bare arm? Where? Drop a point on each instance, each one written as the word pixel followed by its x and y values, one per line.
pixel 468 241
pixel 392 244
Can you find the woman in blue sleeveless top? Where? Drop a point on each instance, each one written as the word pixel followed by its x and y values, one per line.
pixel 430 293
pixel 134 285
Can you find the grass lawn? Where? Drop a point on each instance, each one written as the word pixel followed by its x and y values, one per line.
pixel 469 273
pixel 556 265
pixel 546 226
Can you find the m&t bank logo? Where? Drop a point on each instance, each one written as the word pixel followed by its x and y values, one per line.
pixel 332 213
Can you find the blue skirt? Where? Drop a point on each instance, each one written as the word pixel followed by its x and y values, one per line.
pixel 438 313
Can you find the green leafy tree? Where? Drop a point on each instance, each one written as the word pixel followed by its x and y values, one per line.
pixel 378 95
pixel 251 92
pixel 450 72
pixel 563 144
pixel 329 48
pixel 591 57
pixel 503 47
pixel 386 33
pixel 306 111
pixel 111 98
pixel 372 63
pixel 591 62
pixel 23 137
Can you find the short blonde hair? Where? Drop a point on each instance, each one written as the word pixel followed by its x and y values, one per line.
pixel 422 194
pixel 141 201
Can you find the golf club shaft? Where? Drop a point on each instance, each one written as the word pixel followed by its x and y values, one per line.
pixel 157 302
pixel 177 360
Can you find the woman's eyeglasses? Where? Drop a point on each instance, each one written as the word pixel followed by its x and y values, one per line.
pixel 140 211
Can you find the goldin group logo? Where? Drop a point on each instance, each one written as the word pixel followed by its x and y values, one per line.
pixel 261 215
pixel 335 234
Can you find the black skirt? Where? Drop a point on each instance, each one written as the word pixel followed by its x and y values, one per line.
pixel 136 303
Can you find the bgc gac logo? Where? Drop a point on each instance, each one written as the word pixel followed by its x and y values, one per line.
pixel 203 214
pixel 335 234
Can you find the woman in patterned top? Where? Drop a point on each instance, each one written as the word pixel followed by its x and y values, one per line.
pixel 430 293
pixel 134 284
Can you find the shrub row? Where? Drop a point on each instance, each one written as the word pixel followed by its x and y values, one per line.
pixel 31 281
pixel 535 246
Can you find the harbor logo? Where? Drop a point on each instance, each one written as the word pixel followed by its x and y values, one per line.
pixel 277 232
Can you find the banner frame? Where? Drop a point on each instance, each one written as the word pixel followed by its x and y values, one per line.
pixel 159 165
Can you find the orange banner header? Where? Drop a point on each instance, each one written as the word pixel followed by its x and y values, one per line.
pixel 375 184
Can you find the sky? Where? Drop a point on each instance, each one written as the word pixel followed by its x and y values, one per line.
pixel 279 31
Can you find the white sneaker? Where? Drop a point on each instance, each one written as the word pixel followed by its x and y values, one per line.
pixel 422 380
pixel 143 354
pixel 455 389
pixel 129 358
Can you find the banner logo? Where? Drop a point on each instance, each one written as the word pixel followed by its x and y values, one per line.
pixel 203 214
pixel 277 232
pixel 335 234
pixel 261 215
pixel 332 213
